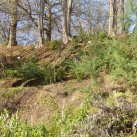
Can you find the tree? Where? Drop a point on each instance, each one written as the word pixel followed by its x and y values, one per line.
pixel 53 19
pixel 131 16
pixel 121 14
pixel 40 23
pixel 112 18
pixel 2 2
pixel 49 19
pixel 67 10
pixel 13 23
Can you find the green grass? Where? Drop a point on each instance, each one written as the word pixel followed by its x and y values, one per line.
pixel 11 126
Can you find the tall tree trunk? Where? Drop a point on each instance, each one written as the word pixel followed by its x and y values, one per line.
pixel 13 23
pixel 112 18
pixel 49 19
pixel 64 27
pixel 40 24
pixel 67 10
pixel 121 15
pixel 78 15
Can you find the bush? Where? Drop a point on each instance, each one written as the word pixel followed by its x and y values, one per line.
pixel 11 73
pixel 55 44
pixel 115 57
pixel 46 74
pixel 90 63
pixel 51 74
pixel 30 69
pixel 83 37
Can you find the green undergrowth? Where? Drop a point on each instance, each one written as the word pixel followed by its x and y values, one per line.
pixel 113 56
pixel 30 69
pixel 61 124
pixel 105 61
pixel 11 126
pixel 89 118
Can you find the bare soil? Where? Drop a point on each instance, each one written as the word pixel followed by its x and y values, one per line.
pixel 38 104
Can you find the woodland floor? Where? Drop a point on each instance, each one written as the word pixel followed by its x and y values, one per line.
pixel 39 104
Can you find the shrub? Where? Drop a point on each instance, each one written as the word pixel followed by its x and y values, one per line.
pixel 11 73
pixel 83 37
pixel 90 63
pixel 51 75
pixel 46 74
pixel 55 44
pixel 122 61
pixel 115 57
pixel 30 69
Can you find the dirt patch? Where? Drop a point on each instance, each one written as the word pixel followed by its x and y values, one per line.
pixel 9 56
pixel 38 104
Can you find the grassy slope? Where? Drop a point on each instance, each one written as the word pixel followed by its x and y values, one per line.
pixel 103 105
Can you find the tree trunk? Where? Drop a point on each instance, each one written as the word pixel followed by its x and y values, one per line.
pixel 40 24
pixel 49 19
pixel 121 14
pixel 13 23
pixel 67 10
pixel 112 18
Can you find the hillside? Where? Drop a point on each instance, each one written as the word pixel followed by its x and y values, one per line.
pixel 81 89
